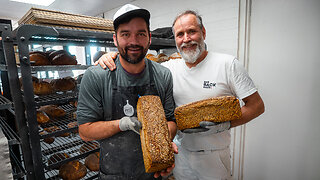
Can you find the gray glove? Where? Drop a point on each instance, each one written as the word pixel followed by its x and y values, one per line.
pixel 207 125
pixel 130 123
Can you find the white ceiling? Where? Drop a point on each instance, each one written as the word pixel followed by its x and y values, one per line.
pixel 15 10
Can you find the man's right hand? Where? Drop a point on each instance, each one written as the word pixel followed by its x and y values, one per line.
pixel 130 123
pixel 107 60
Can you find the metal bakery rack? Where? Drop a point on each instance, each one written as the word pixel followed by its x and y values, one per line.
pixel 35 152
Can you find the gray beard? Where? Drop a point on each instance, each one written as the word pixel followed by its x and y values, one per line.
pixel 192 56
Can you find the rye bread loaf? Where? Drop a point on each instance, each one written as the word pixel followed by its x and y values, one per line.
pixel 155 140
pixel 218 109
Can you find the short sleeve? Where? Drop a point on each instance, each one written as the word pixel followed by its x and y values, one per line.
pixel 240 82
pixel 89 101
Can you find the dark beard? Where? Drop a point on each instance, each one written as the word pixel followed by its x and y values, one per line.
pixel 125 56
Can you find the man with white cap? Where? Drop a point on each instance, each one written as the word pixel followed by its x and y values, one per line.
pixel 107 99
pixel 204 153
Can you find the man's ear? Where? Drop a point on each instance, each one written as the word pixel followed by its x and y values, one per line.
pixel 150 38
pixel 115 40
pixel 204 32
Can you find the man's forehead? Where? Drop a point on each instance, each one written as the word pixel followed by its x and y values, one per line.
pixel 186 21
pixel 137 23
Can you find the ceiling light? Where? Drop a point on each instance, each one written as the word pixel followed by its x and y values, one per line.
pixel 36 2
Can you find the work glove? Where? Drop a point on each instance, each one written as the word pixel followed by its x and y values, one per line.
pixel 207 125
pixel 130 123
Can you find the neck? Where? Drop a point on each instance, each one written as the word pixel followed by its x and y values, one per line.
pixel 132 68
pixel 201 58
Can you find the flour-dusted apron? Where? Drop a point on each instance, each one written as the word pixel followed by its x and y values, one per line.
pixel 121 154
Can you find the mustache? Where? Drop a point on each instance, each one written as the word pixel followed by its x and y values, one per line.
pixel 189 44
pixel 133 46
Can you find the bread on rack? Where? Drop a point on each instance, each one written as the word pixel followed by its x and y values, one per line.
pixel 89 146
pixel 92 161
pixel 64 84
pixel 42 117
pixel 57 157
pixel 218 109
pixel 55 128
pixel 155 139
pixel 175 55
pixel 62 57
pixel 48 140
pixel 72 170
pixel 53 111
pixel 162 57
pixel 38 58
pixel 42 88
pixel 158 58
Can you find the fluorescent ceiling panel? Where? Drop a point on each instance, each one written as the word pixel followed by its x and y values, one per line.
pixel 36 2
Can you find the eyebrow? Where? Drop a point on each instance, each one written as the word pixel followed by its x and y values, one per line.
pixel 124 31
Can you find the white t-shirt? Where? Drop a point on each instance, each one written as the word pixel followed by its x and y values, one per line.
pixel 217 75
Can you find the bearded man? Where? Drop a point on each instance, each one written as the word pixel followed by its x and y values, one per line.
pixel 204 152
pixel 107 99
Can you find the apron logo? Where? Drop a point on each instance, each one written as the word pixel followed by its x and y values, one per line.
pixel 128 109
pixel 208 84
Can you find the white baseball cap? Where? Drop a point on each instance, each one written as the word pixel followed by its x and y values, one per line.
pixel 130 11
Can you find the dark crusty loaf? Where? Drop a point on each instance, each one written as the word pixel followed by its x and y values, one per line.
pixel 38 58
pixel 72 170
pixel 219 109
pixel 92 161
pixel 53 110
pixel 64 84
pixel 155 142
pixel 62 57
pixel 42 88
pixel 42 117
pixel 48 140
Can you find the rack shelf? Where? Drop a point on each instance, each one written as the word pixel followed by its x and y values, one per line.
pixel 5 103
pixel 12 137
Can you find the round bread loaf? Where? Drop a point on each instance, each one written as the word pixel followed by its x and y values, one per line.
pixel 89 146
pixel 53 111
pixel 48 140
pixel 57 157
pixel 72 170
pixel 64 84
pixel 38 58
pixel 53 53
pixel 42 88
pixel 62 57
pixel 92 161
pixel 42 117
pixel 175 55
pixel 56 128
pixel 162 57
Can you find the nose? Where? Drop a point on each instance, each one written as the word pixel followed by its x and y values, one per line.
pixel 133 40
pixel 186 38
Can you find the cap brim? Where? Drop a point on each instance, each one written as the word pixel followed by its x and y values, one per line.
pixel 134 13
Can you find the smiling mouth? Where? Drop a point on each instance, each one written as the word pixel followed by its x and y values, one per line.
pixel 134 49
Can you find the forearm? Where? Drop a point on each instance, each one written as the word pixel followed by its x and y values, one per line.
pixel 253 107
pixel 98 130
pixel 172 129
